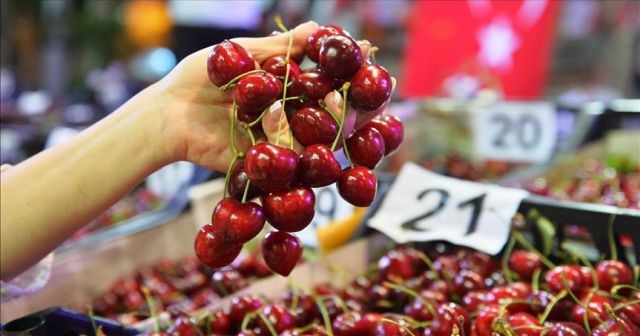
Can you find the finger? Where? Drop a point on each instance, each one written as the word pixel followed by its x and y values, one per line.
pixel 264 47
pixel 365 47
pixel 333 101
pixel 276 128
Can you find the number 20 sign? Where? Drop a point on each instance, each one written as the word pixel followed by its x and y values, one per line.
pixel 424 206
pixel 515 131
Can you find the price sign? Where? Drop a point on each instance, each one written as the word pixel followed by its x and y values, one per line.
pixel 329 207
pixel 424 206
pixel 515 131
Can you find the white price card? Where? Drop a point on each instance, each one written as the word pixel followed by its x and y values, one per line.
pixel 424 206
pixel 329 207
pixel 514 131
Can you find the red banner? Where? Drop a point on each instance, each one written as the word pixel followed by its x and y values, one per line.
pixel 501 44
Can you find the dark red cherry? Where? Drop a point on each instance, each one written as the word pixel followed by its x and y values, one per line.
pixel 238 181
pixel 281 251
pixel 503 295
pixel 317 166
pixel 237 222
pixel 596 308
pixel 386 328
pixel 566 329
pixel 270 167
pixel 397 266
pixel 484 321
pixel 314 41
pixel 290 210
pixel 353 323
pixel 525 324
pixel 183 326
pixel 540 300
pixel 241 306
pixel 357 185
pixel 449 314
pixel 467 281
pixel 524 263
pixel 227 281
pixel 277 65
pixel 340 56
pixel 556 277
pixel 474 300
pixel 370 88
pixel 220 323
pixel 621 326
pixel 228 60
pixel 278 316
pixel 366 147
pixel 391 129
pixel 613 272
pixel 256 92
pixel 630 310
pixel 313 125
pixel 211 249
pixel 312 86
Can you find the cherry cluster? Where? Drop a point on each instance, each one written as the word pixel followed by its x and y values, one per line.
pixel 279 176
pixel 456 292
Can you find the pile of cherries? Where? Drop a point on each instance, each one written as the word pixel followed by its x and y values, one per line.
pixel 183 285
pixel 455 292
pixel 279 176
pixel 594 182
pixel 456 165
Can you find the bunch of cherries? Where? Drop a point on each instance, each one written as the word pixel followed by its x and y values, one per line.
pixel 278 175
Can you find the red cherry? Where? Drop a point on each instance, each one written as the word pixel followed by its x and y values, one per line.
pixel 220 323
pixel 524 324
pixel 587 276
pixel 226 61
pixel 474 300
pixel 280 318
pixel 366 147
pixel 556 276
pixel 621 326
pixel 281 251
pixel 630 311
pixel 277 66
pixel 211 249
pixel 421 309
pixel 524 263
pixel 613 272
pixel 596 310
pixel 312 86
pixel 354 323
pixel 227 281
pixel 504 294
pixel 340 56
pixel 396 265
pixel 238 180
pixel 256 92
pixel 484 320
pixel 566 329
pixel 290 210
pixel 270 167
pixel 370 88
pixel 467 281
pixel 314 41
pixel 317 166
pixel 241 306
pixel 386 328
pixel 449 314
pixel 560 312
pixel 447 265
pixel 357 186
pixel 391 129
pixel 183 326
pixel 478 262
pixel 313 125
pixel 237 222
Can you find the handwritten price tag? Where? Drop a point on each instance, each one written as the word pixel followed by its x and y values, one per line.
pixel 424 206
pixel 329 207
pixel 515 131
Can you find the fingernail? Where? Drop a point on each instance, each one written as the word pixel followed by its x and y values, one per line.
pixel 275 107
pixel 337 100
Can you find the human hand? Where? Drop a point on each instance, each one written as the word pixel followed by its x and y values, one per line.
pixel 197 114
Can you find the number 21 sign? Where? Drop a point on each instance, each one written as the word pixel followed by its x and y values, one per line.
pixel 424 206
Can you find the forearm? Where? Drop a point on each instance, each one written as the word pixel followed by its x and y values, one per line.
pixel 51 195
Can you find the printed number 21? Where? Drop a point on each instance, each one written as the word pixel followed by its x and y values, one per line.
pixel 475 202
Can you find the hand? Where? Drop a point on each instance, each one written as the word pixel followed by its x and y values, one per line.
pixel 197 114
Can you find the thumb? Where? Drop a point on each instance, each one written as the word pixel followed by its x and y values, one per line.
pixel 262 48
pixel 276 128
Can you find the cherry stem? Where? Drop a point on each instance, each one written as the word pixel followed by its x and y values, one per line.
pixel 386 320
pixel 425 259
pixel 585 317
pixel 626 304
pixel 616 288
pixel 344 89
pixel 552 304
pixel 502 327
pixel 227 177
pixel 246 191
pixel 508 275
pixel 612 243
pixel 92 320
pixel 460 322
pixel 324 106
pixel 524 242
pixel 373 51
pixel 239 77
pixel 278 20
pixel 246 319
pixel 232 128
pixel 152 308
pixel 412 293
pixel 325 314
pixel 535 279
pixel 269 325
pixel 284 89
pixel 613 316
pixel 586 262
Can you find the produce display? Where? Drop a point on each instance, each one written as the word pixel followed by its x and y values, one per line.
pixel 456 291
pixel 595 182
pixel 277 174
pixel 183 285
pixel 457 166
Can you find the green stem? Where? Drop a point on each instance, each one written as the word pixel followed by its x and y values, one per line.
pixel 616 288
pixel 612 243
pixel 508 275
pixel 278 20
pixel 586 262
pixel 524 242
pixel 344 89
pixel 535 280
pixel 612 314
pixel 325 314
pixel 232 128
pixel 227 177
pixel 269 325
pixel 552 304
pixel 386 320
pixel 93 321
pixel 246 319
pixel 237 78
pixel 152 308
